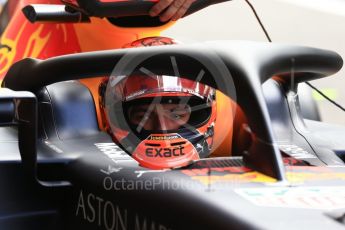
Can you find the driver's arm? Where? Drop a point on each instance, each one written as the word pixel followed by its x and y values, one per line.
pixel 170 9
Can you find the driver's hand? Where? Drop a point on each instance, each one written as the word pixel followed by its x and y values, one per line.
pixel 170 9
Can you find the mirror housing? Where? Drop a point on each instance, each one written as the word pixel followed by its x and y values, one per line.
pixel 19 108
pixel 120 8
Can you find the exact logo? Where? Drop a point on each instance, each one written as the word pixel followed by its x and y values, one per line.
pixel 164 152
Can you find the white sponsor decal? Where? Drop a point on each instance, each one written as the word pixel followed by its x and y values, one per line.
pixel 141 172
pixel 104 213
pixel 113 151
pixel 110 170
pixel 296 151
pixel 108 215
pixel 327 198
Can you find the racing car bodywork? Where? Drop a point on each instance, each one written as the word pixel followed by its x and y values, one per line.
pixel 60 171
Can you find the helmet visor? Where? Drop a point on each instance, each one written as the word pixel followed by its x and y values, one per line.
pixel 158 114
pixel 158 103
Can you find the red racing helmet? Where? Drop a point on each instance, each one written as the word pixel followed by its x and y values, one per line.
pixel 161 121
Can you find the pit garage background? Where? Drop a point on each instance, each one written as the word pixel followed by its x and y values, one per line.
pixel 317 23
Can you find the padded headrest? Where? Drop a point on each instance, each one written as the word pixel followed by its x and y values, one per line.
pixel 67 111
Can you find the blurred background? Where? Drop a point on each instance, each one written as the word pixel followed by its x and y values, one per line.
pixel 317 23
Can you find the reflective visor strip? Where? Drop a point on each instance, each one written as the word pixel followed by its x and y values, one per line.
pixel 129 88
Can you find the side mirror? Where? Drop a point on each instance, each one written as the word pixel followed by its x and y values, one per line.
pixel 19 108
pixel 80 10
